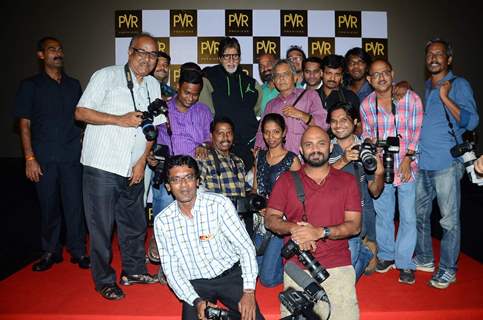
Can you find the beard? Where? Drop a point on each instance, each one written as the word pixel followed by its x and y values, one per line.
pixel 316 163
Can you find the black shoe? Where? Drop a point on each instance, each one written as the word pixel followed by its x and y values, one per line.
pixel 84 262
pixel 161 276
pixel 111 292
pixel 384 266
pixel 46 262
pixel 406 276
pixel 138 279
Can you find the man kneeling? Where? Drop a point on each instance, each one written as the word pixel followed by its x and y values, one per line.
pixel 205 251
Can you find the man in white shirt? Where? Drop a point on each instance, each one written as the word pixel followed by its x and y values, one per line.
pixel 114 157
pixel 205 251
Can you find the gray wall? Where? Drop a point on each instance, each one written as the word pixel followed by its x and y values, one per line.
pixel 87 31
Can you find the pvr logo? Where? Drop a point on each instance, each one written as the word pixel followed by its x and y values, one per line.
pixel 128 21
pixel 238 19
pixel 293 20
pixel 347 22
pixel 375 47
pixel 209 47
pixel 163 44
pixel 183 20
pixel 321 47
pixel 266 46
pixel 174 72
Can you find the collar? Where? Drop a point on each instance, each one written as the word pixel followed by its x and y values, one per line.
pixel 448 77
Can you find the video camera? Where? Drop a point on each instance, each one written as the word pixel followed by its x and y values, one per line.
pixel 465 150
pixel 161 153
pixel 308 260
pixel 155 108
pixel 367 155
pixel 301 303
pixel 390 147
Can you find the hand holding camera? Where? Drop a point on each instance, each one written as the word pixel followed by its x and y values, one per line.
pixel 130 119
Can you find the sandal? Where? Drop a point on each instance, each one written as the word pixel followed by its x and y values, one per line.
pixel 111 292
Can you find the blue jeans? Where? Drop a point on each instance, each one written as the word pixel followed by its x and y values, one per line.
pixel 368 219
pixel 360 255
pixel 402 249
pixel 161 199
pixel 445 186
pixel 270 268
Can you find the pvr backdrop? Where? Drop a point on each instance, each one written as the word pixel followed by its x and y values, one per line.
pixel 193 35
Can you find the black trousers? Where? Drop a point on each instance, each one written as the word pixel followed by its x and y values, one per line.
pixel 109 199
pixel 227 288
pixel 59 192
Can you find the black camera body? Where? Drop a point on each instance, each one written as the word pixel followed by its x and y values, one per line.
pixel 367 155
pixel 466 151
pixel 251 203
pixel 161 153
pixel 390 147
pixel 155 108
pixel 318 272
pixel 220 314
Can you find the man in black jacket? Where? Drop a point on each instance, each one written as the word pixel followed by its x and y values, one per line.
pixel 231 93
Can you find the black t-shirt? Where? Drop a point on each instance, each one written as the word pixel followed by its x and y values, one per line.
pixel 342 94
pixel 50 107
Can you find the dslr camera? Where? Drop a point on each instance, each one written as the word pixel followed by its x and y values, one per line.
pixel 367 155
pixel 390 147
pixel 466 151
pixel 219 314
pixel 298 303
pixel 308 260
pixel 155 108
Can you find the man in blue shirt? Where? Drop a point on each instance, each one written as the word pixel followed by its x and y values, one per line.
pixel 448 98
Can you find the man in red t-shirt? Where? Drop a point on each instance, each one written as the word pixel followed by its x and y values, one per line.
pixel 333 211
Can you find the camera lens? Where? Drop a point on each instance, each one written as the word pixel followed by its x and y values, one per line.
pixel 388 162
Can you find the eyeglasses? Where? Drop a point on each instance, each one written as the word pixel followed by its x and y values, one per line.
pixel 385 73
pixel 295 59
pixel 145 54
pixel 230 56
pixel 179 180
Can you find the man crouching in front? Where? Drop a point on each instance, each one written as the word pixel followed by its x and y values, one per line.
pixel 205 250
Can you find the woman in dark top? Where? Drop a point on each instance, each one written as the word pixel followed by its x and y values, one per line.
pixel 269 165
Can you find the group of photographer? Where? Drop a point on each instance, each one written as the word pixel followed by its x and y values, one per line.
pixel 316 185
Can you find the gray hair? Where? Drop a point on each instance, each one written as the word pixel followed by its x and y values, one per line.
pixel 139 36
pixel 448 48
pixel 284 61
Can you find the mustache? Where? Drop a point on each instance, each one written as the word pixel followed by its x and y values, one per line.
pixel 59 58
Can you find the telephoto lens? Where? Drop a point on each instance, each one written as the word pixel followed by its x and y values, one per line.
pixel 388 161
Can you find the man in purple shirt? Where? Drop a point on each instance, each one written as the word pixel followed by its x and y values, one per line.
pixel 187 132
pixel 300 108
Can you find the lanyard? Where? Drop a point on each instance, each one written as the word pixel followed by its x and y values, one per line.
pixel 393 111
pixel 130 86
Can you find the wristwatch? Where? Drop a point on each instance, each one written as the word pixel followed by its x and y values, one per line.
pixel 326 233
pixel 411 156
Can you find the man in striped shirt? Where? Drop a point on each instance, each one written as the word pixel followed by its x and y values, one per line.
pixel 383 117
pixel 205 250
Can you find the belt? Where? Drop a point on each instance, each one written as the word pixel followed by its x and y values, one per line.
pixel 235 267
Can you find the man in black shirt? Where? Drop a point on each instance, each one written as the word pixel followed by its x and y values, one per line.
pixel 51 142
pixel 332 90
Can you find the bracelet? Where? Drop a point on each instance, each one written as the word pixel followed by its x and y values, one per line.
pixel 249 291
pixel 310 119
pixel 29 158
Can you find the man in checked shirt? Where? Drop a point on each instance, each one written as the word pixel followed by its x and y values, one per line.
pixel 385 116
pixel 205 250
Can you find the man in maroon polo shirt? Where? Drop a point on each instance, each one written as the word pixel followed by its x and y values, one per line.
pixel 333 211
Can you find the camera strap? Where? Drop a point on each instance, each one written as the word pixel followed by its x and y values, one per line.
pixel 393 111
pixel 299 97
pixel 299 189
pixel 450 124
pixel 130 86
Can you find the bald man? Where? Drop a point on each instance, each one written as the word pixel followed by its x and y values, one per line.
pixel 332 214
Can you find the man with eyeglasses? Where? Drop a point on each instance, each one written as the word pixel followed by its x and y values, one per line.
pixel 296 56
pixel 230 92
pixel 450 110
pixel 300 108
pixel 51 141
pixel 114 157
pixel 384 119
pixel 205 251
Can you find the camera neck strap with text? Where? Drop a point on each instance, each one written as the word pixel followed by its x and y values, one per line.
pixel 394 113
pixel 130 86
